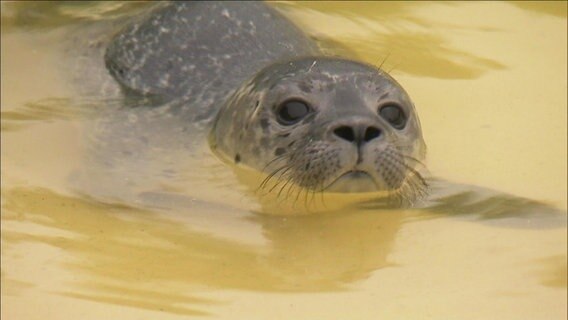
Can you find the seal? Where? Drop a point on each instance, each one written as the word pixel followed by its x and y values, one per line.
pixel 271 99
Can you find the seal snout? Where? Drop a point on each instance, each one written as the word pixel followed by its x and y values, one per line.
pixel 357 133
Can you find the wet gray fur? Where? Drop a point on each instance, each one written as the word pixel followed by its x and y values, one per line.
pixel 196 53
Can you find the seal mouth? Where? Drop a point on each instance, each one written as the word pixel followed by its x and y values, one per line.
pixel 353 181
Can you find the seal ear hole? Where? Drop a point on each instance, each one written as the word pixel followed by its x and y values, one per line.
pixel 237 158
pixel 292 111
pixel 279 151
pixel 394 115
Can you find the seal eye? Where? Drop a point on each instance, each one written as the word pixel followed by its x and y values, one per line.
pixel 394 115
pixel 292 111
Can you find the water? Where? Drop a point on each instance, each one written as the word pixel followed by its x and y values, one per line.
pixel 489 81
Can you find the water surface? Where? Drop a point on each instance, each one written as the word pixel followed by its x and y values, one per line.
pixel 489 81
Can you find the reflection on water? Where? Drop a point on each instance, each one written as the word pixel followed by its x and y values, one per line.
pixel 485 205
pixel 420 52
pixel 42 15
pixel 203 250
pixel 128 257
pixel 554 8
pixel 121 252
pixel 554 271
pixel 42 111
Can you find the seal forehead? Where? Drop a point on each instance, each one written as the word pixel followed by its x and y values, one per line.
pixel 329 87
pixel 321 66
pixel 321 74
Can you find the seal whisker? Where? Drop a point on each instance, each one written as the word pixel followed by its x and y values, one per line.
pixel 307 197
pixel 413 159
pixel 384 60
pixel 321 192
pixel 416 174
pixel 289 187
pixel 287 181
pixel 306 192
pixel 301 186
pixel 315 191
pixel 270 176
pixel 280 157
pixel 406 182
pixel 414 186
pixel 280 178
pixel 393 67
pixel 279 194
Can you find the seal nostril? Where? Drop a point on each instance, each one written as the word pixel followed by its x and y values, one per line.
pixel 345 132
pixel 371 133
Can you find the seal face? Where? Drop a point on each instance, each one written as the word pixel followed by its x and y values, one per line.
pixel 324 124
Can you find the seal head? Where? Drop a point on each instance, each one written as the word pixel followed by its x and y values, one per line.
pixel 324 123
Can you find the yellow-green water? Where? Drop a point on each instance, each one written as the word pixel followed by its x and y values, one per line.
pixel 489 81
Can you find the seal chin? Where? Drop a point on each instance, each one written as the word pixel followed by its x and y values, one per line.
pixel 353 182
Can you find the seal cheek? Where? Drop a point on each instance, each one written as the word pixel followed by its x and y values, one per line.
pixel 264 124
pixel 265 142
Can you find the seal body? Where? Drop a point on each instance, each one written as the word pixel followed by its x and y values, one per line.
pixel 271 99
pixel 196 53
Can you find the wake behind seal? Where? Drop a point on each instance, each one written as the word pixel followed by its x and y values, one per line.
pixel 271 99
